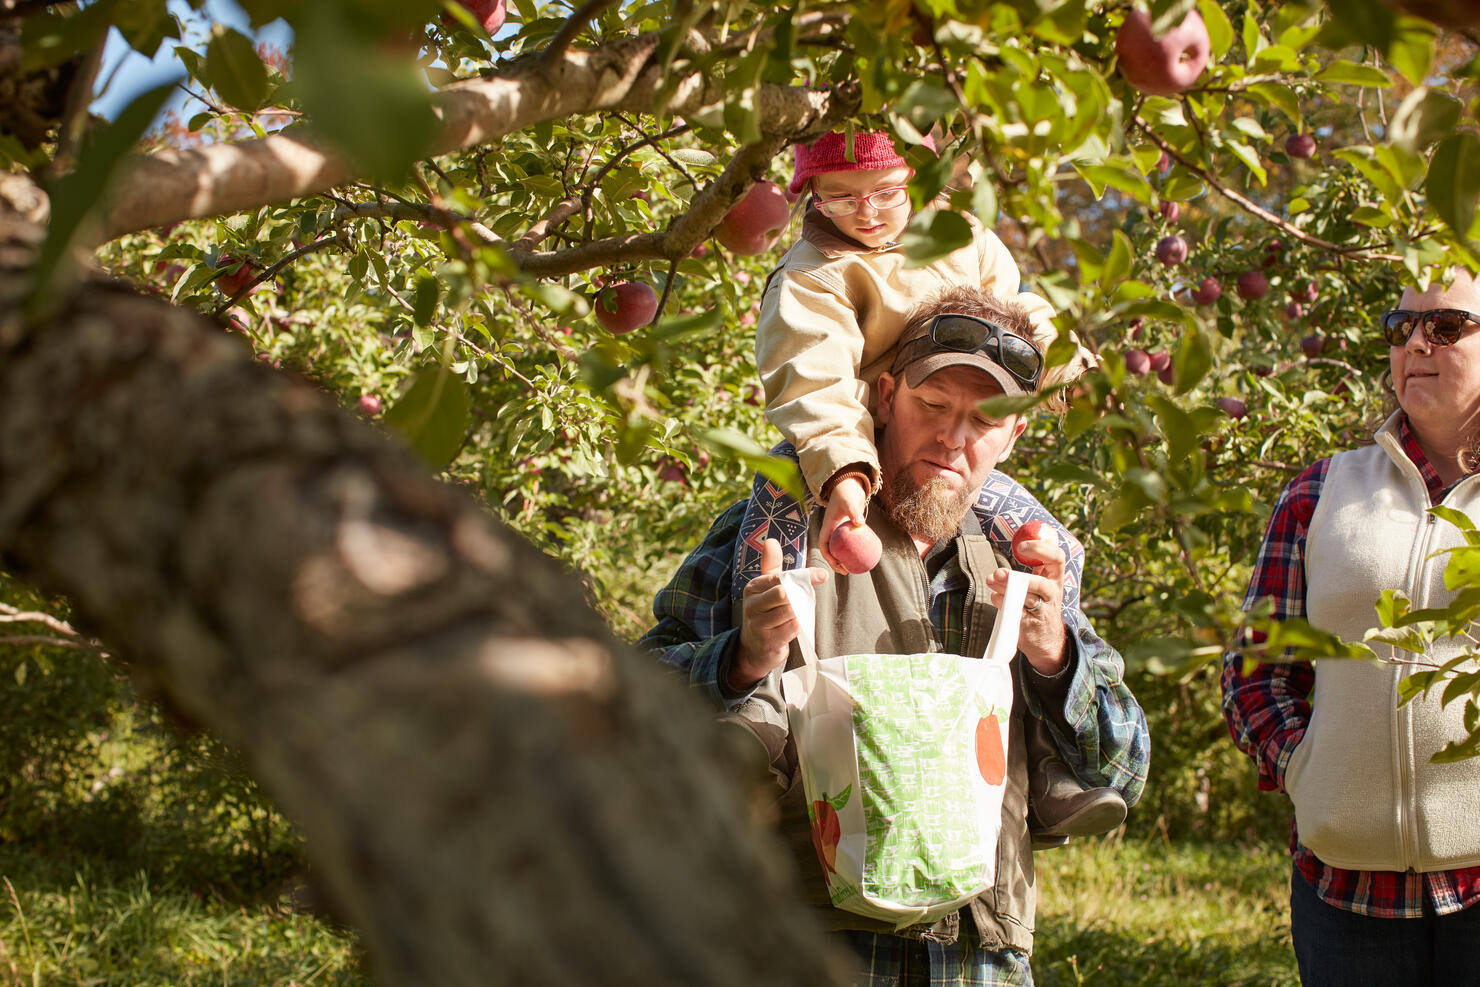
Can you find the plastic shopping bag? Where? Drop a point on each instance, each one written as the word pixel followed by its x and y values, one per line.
pixel 903 761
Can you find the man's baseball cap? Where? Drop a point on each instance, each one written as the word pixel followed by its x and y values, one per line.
pixel 951 340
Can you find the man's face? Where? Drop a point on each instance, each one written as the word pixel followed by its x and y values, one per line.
pixel 935 432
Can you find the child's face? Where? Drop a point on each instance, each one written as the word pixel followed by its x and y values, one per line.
pixel 868 225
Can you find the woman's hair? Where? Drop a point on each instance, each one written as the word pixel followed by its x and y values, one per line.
pixel 1011 315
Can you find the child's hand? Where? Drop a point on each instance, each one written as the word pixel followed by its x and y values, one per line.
pixel 846 505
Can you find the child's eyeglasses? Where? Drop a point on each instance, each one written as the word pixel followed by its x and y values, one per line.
pixel 847 205
pixel 968 334
pixel 1441 326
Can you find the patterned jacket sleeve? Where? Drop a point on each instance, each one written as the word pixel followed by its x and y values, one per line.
pixel 1102 735
pixel 1267 705
pixel 695 632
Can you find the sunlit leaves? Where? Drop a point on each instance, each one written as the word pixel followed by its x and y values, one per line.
pixel 432 415
pixel 1453 182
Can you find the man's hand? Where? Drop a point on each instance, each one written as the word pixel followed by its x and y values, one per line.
pixel 1042 637
pixel 847 504
pixel 768 625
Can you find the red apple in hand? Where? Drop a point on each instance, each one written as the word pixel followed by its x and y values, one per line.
pixel 1166 65
pixel 625 306
pixel 756 222
pixel 856 549
pixel 1030 531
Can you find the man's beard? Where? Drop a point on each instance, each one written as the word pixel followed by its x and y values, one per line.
pixel 931 511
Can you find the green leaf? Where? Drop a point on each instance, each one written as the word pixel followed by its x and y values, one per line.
pixel 424 298
pixel 1367 22
pixel 1279 96
pixel 933 234
pixel 1453 182
pixel 1404 638
pixel 1342 72
pixel 432 415
pixel 75 194
pixel 1424 117
pixel 369 102
pixel 1194 360
pixel 1220 28
pixel 145 24
pixel 780 470
pixel 1015 404
pixel 1411 49
pixel 1458 518
pixel 1118 264
pixel 1250 158
pixel 234 70
pixel 1123 177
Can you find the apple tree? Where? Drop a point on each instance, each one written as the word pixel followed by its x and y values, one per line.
pixel 499 248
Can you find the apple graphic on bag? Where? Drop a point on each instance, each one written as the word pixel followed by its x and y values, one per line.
pixel 991 759
pixel 827 830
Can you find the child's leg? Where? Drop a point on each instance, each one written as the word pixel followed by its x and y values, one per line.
pixel 1059 804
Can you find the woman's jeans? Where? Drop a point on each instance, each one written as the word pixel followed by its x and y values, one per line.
pixel 1338 948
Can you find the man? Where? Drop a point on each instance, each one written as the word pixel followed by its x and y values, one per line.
pixel 936 588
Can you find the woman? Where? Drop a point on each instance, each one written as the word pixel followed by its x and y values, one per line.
pixel 1386 844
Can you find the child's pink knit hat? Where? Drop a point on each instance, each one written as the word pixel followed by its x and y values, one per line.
pixel 872 151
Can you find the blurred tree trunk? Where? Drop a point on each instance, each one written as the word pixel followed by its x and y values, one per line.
pixel 493 789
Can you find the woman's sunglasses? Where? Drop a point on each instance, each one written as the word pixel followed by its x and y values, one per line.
pixel 1441 326
pixel 1011 352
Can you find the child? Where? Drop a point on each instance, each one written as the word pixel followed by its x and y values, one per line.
pixel 835 305
pixel 830 318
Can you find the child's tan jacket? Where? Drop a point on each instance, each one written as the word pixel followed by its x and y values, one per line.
pixel 831 315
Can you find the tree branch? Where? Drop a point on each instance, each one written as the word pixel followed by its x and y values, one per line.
pixel 168 186
pixel 573 26
pixel 1253 208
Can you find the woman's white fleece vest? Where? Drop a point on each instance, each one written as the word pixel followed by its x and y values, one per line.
pixel 1366 795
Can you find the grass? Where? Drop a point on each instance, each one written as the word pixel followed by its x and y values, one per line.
pixel 1157 913
pixel 1109 913
pixel 92 927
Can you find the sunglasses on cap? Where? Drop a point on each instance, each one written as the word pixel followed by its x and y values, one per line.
pixel 1441 326
pixel 968 334
pixel 847 205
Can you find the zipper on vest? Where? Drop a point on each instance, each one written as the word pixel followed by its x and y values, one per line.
pixel 1403 715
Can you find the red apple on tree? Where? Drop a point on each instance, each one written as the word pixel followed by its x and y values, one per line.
pixel 1167 374
pixel 1313 345
pixel 1293 311
pixel 370 404
pixel 756 222
pixel 236 277
pixel 857 549
pixel 1308 292
pixel 1137 362
pixel 1252 286
pixel 489 13
pixel 1160 360
pixel 1163 66
pixel 1171 250
pixel 1208 292
pixel 1233 407
pixel 1030 531
pixel 625 306
pixel 672 471
pixel 1170 211
pixel 1300 145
